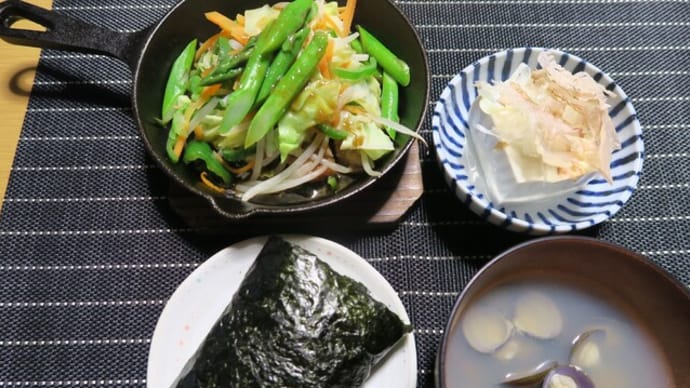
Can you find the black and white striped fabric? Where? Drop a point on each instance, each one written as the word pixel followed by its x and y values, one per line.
pixel 90 249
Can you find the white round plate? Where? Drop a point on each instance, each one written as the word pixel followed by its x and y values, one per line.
pixel 589 205
pixel 199 301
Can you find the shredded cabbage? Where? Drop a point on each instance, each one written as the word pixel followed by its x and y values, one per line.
pixel 255 20
pixel 314 105
pixel 366 136
pixel 552 124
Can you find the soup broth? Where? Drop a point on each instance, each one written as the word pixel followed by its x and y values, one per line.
pixel 519 325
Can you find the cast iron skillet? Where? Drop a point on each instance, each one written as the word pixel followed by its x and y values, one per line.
pixel 150 53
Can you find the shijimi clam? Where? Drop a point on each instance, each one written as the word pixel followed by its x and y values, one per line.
pixel 567 376
pixel 585 351
pixel 486 329
pixel 584 354
pixel 538 316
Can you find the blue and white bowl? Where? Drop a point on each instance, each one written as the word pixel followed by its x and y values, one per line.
pixel 591 203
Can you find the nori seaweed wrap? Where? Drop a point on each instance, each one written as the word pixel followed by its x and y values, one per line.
pixel 294 322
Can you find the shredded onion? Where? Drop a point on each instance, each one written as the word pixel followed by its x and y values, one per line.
pixel 203 112
pixel 361 57
pixel 258 162
pixel 397 127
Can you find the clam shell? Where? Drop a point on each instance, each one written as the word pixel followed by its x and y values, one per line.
pixel 585 350
pixel 567 376
pixel 538 316
pixel 530 377
pixel 508 351
pixel 486 329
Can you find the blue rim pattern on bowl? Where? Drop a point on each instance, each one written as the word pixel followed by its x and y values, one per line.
pixel 588 206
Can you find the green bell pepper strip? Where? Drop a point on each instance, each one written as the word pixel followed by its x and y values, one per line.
pixel 237 154
pixel 222 77
pixel 290 19
pixel 393 65
pixel 201 151
pixel 365 71
pixel 177 80
pixel 287 88
pixel 281 63
pixel 389 101
pixel 332 132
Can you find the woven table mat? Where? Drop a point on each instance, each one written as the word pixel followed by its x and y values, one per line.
pixel 90 249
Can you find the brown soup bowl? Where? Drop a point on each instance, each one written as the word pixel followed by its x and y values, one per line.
pixel 654 301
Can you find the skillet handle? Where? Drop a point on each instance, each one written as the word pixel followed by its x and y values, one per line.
pixel 67 33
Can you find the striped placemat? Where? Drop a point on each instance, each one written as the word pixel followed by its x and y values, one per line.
pixel 90 249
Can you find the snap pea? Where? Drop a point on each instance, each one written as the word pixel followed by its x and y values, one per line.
pixel 357 46
pixel 222 77
pixel 281 63
pixel 199 151
pixel 389 101
pixel 195 86
pixel 290 19
pixel 240 102
pixel 287 88
pixel 332 132
pixel 223 47
pixel 232 61
pixel 177 80
pixel 364 71
pixel 396 67
pixel 332 182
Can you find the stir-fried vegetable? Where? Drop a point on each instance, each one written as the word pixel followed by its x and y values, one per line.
pixel 282 96
pixel 286 89
pixel 177 80
pixel 389 61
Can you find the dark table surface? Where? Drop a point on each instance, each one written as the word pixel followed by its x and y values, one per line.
pixel 90 248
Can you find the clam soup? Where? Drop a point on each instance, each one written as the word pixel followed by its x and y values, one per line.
pixel 548 334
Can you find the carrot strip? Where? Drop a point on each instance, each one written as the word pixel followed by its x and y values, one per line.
pixel 349 14
pixel 228 25
pixel 206 46
pixel 198 132
pixel 204 179
pixel 189 112
pixel 209 91
pixel 179 145
pixel 243 169
pixel 328 21
pixel 324 63
pixel 207 71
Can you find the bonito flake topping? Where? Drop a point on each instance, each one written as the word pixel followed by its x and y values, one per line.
pixel 552 124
